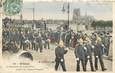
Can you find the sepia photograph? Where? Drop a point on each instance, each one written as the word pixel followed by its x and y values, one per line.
pixel 57 36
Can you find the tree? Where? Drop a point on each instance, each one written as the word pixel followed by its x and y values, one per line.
pixel 102 24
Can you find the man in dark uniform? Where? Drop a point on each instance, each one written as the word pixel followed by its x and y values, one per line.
pixel 59 53
pixel 107 43
pixel 80 55
pixel 30 38
pixel 93 38
pixel 22 38
pixel 34 41
pixel 44 38
pixel 89 54
pixel 98 54
pixel 39 41
pixel 67 39
pixel 57 36
pixel 63 36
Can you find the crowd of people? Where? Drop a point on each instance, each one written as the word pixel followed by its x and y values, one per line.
pixel 85 45
pixel 25 40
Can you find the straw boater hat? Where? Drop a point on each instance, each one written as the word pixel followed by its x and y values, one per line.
pixel 98 40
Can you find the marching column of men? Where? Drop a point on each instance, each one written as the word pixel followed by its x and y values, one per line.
pixel 86 50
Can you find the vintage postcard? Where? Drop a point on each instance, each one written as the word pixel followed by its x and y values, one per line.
pixel 56 36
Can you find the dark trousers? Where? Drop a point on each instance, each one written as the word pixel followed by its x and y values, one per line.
pixel 41 49
pixel 21 45
pixel 47 45
pixel 33 45
pixel 67 44
pixel 58 61
pixel 101 63
pixel 40 46
pixel 91 63
pixel 83 65
pixel 107 49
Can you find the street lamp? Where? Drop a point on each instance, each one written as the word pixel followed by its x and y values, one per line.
pixel 67 9
pixel 33 9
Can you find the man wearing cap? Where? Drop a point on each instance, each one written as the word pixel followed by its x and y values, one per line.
pixel 89 51
pixel 59 53
pixel 80 55
pixel 98 54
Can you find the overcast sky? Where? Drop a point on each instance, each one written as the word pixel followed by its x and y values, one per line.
pixel 53 10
